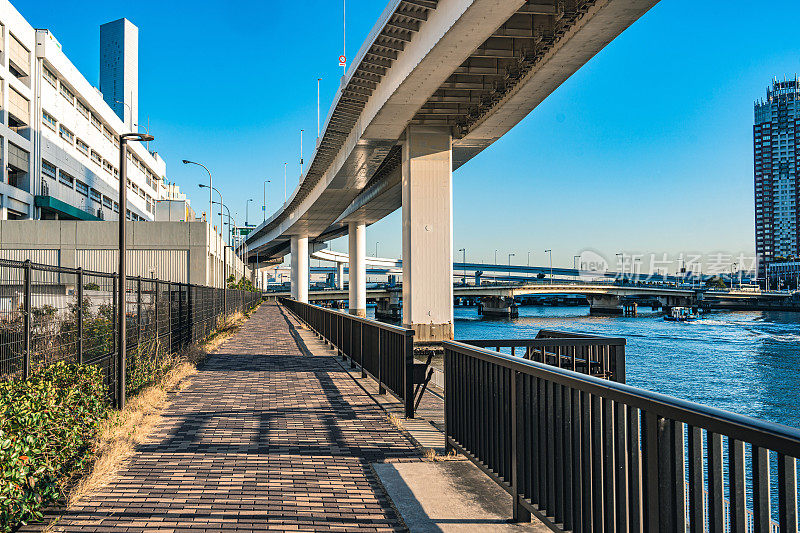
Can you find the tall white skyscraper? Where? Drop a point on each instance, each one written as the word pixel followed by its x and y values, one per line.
pixel 119 69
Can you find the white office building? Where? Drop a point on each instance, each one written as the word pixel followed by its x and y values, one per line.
pixel 60 148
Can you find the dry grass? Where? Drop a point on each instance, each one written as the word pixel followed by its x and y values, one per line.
pixel 123 431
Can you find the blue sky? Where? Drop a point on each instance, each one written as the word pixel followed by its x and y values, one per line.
pixel 646 149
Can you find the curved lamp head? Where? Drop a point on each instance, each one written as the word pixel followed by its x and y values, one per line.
pixel 201 185
pixel 143 137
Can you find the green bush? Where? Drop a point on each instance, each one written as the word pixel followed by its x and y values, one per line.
pixel 47 426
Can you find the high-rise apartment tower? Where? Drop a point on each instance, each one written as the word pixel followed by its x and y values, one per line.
pixel 119 69
pixel 775 144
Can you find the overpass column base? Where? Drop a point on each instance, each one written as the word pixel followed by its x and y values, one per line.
pixel 299 268
pixel 431 333
pixel 357 248
pixel 427 176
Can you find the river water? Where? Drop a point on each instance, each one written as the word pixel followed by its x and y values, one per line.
pixel 746 362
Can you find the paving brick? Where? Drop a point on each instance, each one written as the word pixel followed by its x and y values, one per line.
pixel 265 438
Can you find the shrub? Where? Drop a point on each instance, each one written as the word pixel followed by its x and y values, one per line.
pixel 47 425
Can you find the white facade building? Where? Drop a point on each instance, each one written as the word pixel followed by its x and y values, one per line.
pixel 60 148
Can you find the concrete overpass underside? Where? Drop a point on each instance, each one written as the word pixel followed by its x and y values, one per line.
pixel 435 83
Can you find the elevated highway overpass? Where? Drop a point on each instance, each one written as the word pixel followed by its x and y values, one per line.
pixel 434 84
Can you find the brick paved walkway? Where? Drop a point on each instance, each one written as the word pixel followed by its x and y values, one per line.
pixel 265 437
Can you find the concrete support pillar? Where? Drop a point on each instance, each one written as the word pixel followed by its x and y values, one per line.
pixel 300 268
pixel 428 233
pixel 340 276
pixel 357 293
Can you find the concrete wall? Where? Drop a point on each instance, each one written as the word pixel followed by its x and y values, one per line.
pixel 174 251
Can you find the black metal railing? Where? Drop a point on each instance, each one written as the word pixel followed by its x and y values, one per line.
pixel 383 351
pixel 50 314
pixel 603 357
pixel 586 454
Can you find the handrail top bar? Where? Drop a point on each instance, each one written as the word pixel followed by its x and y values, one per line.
pixel 369 321
pixel 769 435
pixel 573 335
pixel 547 341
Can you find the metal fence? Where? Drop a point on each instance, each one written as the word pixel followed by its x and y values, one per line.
pixel 50 314
pixel 383 351
pixel 586 454
pixel 603 357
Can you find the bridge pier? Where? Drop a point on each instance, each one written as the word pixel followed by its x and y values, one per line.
pixel 340 276
pixel 389 308
pixel 357 292
pixel 605 304
pixel 427 205
pixel 498 306
pixel 299 249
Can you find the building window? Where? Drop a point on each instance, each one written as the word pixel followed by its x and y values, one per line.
pixel 48 169
pixel 82 188
pixel 49 120
pixel 116 207
pixel 96 196
pixel 17 164
pixel 66 134
pixel 116 172
pixel 96 122
pixel 116 142
pixel 19 58
pixel 107 133
pixel 82 146
pixel 67 93
pixel 18 109
pixel 96 158
pixel 50 77
pixel 107 166
pixel 65 178
pixel 107 203
pixel 83 110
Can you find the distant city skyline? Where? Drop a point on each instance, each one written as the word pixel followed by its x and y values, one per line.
pixel 646 150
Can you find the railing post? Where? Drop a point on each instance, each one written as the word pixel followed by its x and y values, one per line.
pixel 408 374
pixel 520 514
pixel 26 320
pixel 361 348
pixel 79 316
pixel 381 388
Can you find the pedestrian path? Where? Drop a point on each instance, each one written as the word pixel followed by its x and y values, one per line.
pixel 266 437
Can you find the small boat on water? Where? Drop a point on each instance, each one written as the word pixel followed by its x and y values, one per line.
pixel 681 314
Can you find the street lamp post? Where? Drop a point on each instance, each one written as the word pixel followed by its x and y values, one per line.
pixel 264 207
pixel 247 212
pixel 376 248
pixel 318 80
pixel 210 193
pixel 202 186
pixel 733 268
pixel 122 273
pixel 130 112
pixel 622 264
pixel 551 264
pixel 464 251
pixel 509 263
